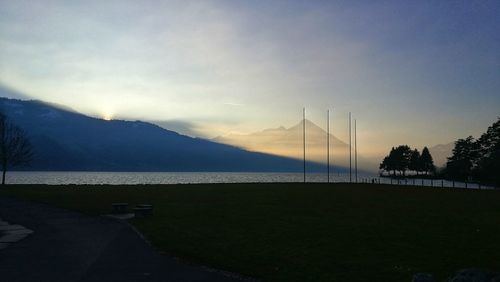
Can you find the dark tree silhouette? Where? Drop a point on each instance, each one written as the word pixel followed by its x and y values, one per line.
pixel 415 163
pixel 488 146
pixel 403 153
pixel 15 147
pixel 463 159
pixel 426 162
pixel 477 159
pixel 397 160
pixel 389 162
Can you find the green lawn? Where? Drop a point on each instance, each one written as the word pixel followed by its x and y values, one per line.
pixel 306 232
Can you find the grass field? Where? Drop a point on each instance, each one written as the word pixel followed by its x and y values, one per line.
pixel 306 232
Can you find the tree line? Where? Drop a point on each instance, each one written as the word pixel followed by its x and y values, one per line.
pixel 402 159
pixel 476 159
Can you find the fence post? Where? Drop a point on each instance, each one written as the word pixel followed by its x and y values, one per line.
pixel 465 184
pixel 422 183
pixel 432 182
pixel 479 185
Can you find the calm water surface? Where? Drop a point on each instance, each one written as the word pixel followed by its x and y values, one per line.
pixel 71 177
pixel 65 177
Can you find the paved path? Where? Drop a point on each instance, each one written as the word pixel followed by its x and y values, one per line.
pixel 12 233
pixel 69 246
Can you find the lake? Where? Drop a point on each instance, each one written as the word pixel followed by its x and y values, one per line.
pixel 85 177
pixel 71 177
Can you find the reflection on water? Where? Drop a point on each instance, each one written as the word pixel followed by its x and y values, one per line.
pixel 84 177
pixel 65 177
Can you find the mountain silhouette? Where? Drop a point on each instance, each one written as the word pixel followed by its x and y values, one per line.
pixel 69 141
pixel 441 152
pixel 289 142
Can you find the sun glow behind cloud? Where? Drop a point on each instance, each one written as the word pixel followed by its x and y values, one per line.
pixel 107 116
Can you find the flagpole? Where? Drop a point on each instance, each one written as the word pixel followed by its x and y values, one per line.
pixel 350 150
pixel 328 144
pixel 331 148
pixel 304 139
pixel 355 153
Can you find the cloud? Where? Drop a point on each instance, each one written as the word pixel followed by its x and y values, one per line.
pixel 233 104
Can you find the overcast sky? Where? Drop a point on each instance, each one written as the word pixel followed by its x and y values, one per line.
pixel 412 72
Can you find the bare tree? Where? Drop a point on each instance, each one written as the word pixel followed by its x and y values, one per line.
pixel 15 147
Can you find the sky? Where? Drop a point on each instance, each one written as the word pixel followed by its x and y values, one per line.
pixel 411 72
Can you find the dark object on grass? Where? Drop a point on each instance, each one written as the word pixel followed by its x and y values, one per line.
pixel 423 277
pixel 143 210
pixel 119 208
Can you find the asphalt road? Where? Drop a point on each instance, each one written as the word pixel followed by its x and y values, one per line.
pixel 69 246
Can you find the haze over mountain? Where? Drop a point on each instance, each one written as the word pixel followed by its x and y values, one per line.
pixel 441 152
pixel 288 142
pixel 66 140
pixel 8 92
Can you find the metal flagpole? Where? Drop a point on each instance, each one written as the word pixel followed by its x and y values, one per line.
pixel 304 139
pixel 355 153
pixel 350 150
pixel 328 144
pixel 332 151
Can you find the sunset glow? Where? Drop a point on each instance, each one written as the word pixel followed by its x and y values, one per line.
pixel 107 116
pixel 402 69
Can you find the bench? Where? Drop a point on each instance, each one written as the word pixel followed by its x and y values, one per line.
pixel 119 208
pixel 143 210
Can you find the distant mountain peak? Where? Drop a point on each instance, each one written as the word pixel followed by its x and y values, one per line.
pixel 441 152
pixel 280 128
pixel 288 142
pixel 309 125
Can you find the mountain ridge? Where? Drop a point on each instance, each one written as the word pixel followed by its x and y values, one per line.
pixel 288 142
pixel 69 141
